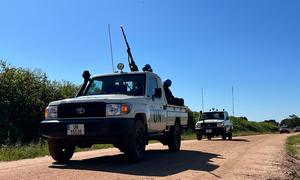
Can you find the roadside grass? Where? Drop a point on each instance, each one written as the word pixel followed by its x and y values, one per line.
pixel 293 149
pixel 293 146
pixel 33 150
pixel 190 135
pixel 18 151
pixel 249 133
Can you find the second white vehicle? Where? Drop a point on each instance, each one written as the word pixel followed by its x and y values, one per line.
pixel 214 123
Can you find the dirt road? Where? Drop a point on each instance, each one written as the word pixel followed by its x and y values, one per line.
pixel 248 157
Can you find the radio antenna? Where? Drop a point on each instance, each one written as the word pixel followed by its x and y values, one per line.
pixel 202 100
pixel 111 50
pixel 232 92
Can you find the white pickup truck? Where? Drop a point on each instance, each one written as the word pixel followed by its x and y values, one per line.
pixel 123 109
pixel 214 123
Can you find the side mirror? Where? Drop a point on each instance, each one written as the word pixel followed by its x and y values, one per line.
pixel 158 93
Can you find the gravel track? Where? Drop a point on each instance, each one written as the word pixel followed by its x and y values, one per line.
pixel 247 157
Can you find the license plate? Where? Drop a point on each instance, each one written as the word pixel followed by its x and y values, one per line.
pixel 75 129
pixel 208 130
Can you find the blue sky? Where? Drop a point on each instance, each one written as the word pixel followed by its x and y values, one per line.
pixel 251 45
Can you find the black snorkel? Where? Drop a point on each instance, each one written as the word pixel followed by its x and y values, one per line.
pixel 86 77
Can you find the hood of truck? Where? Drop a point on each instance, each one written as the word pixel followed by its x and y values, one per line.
pixel 107 98
pixel 212 121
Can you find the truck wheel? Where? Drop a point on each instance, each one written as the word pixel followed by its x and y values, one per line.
pixel 209 137
pixel 174 141
pixel 60 151
pixel 229 136
pixel 119 146
pixel 199 136
pixel 135 143
pixel 224 136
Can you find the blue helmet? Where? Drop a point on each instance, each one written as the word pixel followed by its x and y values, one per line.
pixel 147 67
pixel 167 82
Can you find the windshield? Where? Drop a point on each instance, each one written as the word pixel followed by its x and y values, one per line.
pixel 131 84
pixel 212 115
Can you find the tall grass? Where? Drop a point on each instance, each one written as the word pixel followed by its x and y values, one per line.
pixel 16 152
pixel 293 149
pixel 293 146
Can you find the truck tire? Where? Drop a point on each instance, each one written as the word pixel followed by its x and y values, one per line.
pixel 209 137
pixel 119 146
pixel 174 140
pixel 224 136
pixel 229 135
pixel 199 136
pixel 135 143
pixel 60 151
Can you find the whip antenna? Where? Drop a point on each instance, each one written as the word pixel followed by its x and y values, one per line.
pixel 111 50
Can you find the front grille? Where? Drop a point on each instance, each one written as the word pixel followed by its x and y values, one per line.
pixel 87 109
pixel 209 125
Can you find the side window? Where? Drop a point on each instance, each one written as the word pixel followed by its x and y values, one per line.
pixel 227 117
pixel 152 85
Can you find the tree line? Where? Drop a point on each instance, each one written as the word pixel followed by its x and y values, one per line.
pixel 292 121
pixel 24 95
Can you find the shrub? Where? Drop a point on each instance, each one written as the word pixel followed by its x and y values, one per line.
pixel 24 94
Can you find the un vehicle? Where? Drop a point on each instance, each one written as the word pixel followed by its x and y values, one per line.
pixel 126 109
pixel 214 123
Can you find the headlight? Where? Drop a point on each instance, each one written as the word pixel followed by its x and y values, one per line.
pixel 51 112
pixel 198 125
pixel 117 109
pixel 220 124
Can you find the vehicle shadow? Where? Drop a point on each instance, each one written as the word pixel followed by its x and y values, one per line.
pixel 233 139
pixel 156 163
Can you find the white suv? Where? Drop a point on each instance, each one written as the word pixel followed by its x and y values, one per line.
pixel 214 123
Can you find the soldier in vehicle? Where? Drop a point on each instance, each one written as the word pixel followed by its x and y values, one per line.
pixel 137 88
pixel 147 67
pixel 170 98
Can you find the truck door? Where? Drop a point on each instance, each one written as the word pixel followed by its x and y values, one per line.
pixel 157 115
pixel 227 122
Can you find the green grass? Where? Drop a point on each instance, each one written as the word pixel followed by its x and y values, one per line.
pixel 293 149
pixel 293 146
pixel 16 152
pixel 190 135
pixel 33 150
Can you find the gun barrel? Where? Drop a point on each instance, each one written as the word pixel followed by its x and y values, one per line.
pixel 125 37
pixel 132 65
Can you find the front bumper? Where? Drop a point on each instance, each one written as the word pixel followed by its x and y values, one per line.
pixel 98 130
pixel 211 131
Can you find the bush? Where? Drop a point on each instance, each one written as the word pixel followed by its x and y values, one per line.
pixel 243 125
pixel 292 121
pixel 24 94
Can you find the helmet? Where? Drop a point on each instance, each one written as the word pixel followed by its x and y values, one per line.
pixel 147 67
pixel 167 82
